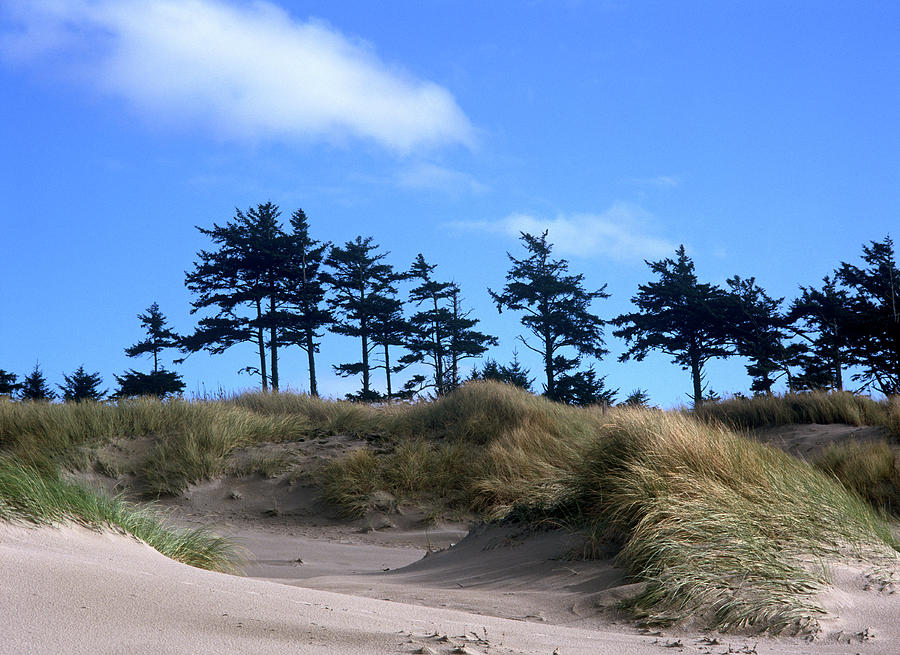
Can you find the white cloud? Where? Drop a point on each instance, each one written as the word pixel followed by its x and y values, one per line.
pixel 248 71
pixel 429 176
pixel 624 232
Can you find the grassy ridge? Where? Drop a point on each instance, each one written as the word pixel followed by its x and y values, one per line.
pixel 30 495
pixel 716 524
pixel 748 413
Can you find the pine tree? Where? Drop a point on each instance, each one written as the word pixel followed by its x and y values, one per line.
pixel 513 373
pixel 441 333
pixel 306 294
pixel 248 282
pixel 874 331
pixel 679 316
pixel 826 318
pixel 35 387
pixel 8 385
pixel 465 342
pixel 159 337
pixel 556 310
pixel 360 282
pixel 82 386
pixel 759 332
pixel 159 382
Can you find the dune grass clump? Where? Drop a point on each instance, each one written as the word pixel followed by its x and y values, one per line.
pixel 871 469
pixel 748 413
pixel 30 495
pixel 718 526
pixel 193 438
pixel 481 449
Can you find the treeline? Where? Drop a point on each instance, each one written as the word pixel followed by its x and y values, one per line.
pixel 272 286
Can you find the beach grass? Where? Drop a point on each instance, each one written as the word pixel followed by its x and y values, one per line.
pixel 31 495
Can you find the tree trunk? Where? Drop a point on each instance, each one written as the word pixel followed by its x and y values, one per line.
pixel 273 344
pixel 696 377
pixel 387 371
pixel 438 352
pixel 260 337
pixel 365 356
pixel 310 348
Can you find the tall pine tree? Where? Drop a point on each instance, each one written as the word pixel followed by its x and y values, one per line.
pixel 306 294
pixel 874 332
pixel 441 333
pixel 247 281
pixel 556 310
pixel 159 382
pixel 679 316
pixel 360 285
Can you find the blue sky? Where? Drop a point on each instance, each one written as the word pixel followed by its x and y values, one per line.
pixel 762 135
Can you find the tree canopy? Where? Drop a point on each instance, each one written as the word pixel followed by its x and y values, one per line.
pixel 678 316
pixel 555 309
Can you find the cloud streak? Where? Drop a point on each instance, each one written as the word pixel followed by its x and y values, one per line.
pixel 246 71
pixel 431 177
pixel 622 233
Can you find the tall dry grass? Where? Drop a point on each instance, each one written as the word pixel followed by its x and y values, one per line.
pixel 748 413
pixel 717 525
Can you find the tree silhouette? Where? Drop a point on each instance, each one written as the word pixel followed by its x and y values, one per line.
pixel 874 332
pixel 556 310
pixel 247 281
pixel 306 294
pixel 159 337
pixel 159 383
pixel 513 373
pixel 441 333
pixel 8 385
pixel 826 314
pixel 35 387
pixel 81 386
pixel 361 288
pixel 759 332
pixel 679 316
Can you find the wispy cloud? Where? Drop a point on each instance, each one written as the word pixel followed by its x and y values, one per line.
pixel 659 182
pixel 249 71
pixel 624 232
pixel 428 176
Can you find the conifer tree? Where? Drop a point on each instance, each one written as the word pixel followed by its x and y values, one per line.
pixel 8 385
pixel 874 331
pixel 465 342
pixel 441 333
pixel 360 284
pixel 35 387
pixel 159 337
pixel 81 386
pixel 159 382
pixel 759 332
pixel 679 316
pixel 247 281
pixel 556 310
pixel 513 373
pixel 825 317
pixel 306 294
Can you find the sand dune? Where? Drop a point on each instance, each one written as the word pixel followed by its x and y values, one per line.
pixel 315 584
